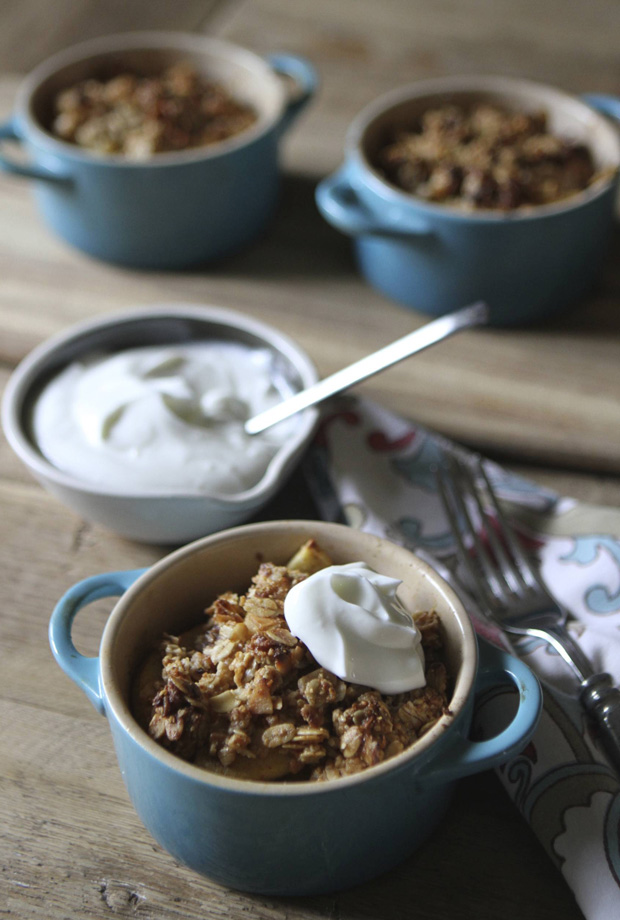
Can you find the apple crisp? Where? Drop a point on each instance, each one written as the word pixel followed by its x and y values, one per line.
pixel 240 695
pixel 485 156
pixel 138 116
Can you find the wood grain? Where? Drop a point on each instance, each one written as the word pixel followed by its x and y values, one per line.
pixel 32 30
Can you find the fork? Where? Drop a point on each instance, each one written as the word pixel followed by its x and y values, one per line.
pixel 510 591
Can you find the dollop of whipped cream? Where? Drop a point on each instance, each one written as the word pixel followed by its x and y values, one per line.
pixel 163 419
pixel 354 625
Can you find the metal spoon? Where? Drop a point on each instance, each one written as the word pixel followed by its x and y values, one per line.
pixel 476 314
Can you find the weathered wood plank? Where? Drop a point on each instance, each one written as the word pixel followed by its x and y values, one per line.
pixel 35 29
pixel 363 48
pixel 548 394
pixel 72 846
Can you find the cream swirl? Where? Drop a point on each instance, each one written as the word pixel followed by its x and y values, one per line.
pixel 162 419
pixel 354 625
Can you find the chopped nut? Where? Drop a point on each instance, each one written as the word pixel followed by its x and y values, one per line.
pixel 263 606
pixel 223 650
pixel 308 735
pixel 235 632
pixel 225 701
pixel 276 735
pixel 321 687
pixel 312 753
pixel 350 741
pixel 284 636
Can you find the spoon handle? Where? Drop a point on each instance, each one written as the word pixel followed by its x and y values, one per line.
pixel 475 314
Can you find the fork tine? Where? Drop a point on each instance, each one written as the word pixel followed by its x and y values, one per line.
pixel 492 556
pixel 459 520
pixel 523 567
pixel 502 567
pixel 507 566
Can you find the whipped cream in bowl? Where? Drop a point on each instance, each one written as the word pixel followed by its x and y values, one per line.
pixel 163 419
pixel 151 445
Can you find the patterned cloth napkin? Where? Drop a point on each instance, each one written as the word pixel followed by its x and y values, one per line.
pixel 374 471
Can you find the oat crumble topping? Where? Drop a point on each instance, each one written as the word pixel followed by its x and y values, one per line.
pixel 139 116
pixel 241 695
pixel 485 156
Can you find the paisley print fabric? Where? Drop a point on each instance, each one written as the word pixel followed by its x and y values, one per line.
pixel 375 471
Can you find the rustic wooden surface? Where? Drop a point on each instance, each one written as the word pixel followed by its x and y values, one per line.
pixel 71 845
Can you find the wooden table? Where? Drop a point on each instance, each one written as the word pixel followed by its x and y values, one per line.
pixel 545 400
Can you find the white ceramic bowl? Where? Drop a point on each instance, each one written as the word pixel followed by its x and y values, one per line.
pixel 155 518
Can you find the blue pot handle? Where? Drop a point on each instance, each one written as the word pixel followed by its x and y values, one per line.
pixel 607 105
pixel 340 205
pixel 9 132
pixel 496 668
pixel 80 668
pixel 303 75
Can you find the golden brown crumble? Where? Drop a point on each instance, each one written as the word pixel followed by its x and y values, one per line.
pixel 240 694
pixel 485 156
pixel 138 116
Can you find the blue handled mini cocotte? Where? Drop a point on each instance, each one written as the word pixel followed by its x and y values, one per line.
pixel 526 263
pixel 174 209
pixel 300 837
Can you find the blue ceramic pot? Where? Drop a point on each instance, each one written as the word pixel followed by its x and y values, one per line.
pixel 284 838
pixel 526 263
pixel 176 209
